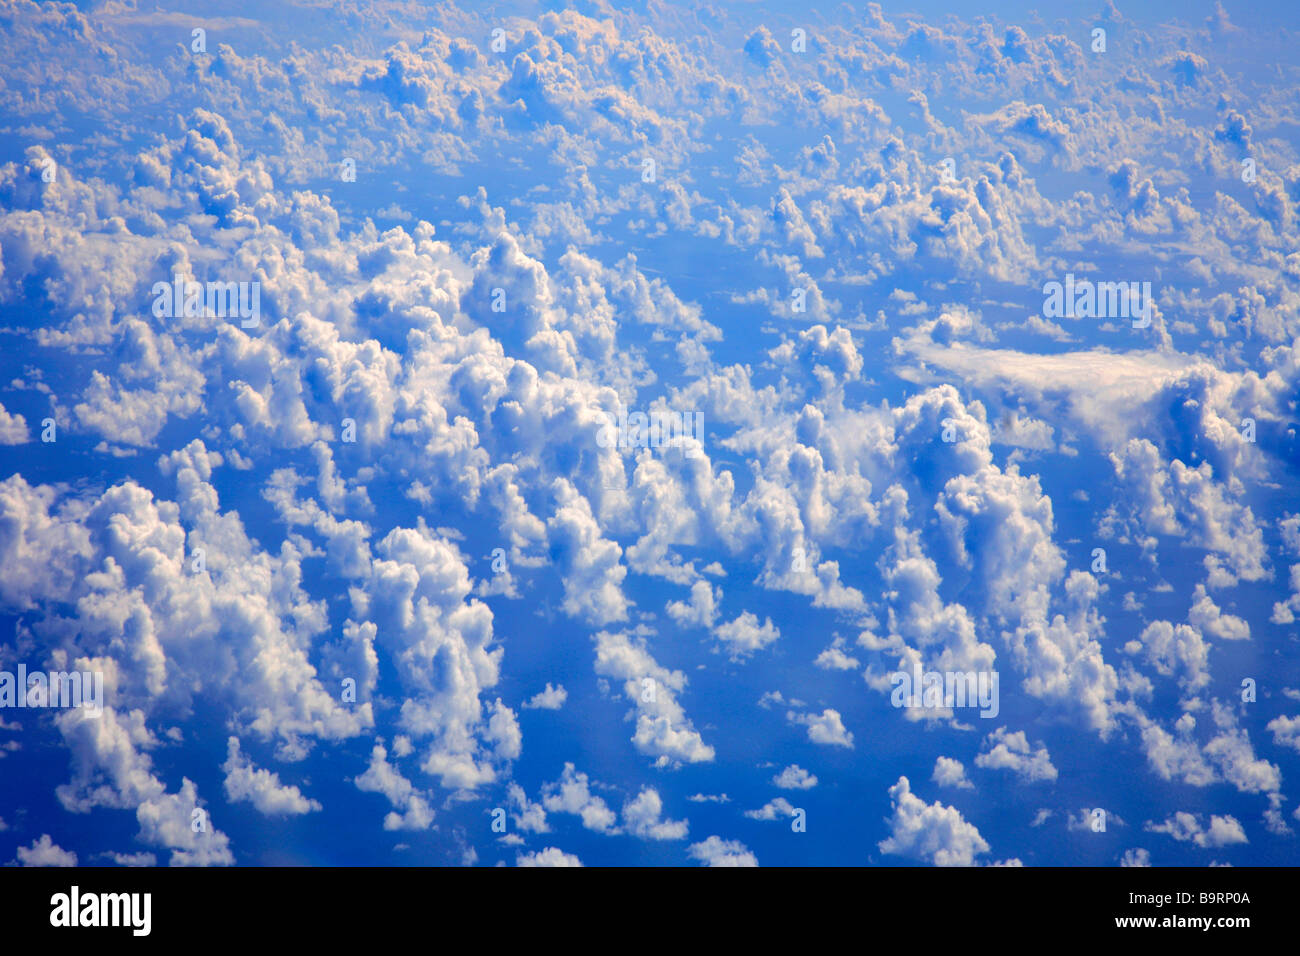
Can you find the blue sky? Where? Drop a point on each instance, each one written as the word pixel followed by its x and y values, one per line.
pixel 362 578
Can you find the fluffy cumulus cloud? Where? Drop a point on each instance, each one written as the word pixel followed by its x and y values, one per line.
pixel 551 698
pixel 1012 751
pixel 449 429
pixel 931 833
pixel 951 773
pixel 716 851
pixel 550 856
pixel 795 777
pixel 745 635
pixel 825 728
pixel 1220 831
pixel 572 794
pixel 662 727
pixel 411 810
pixel 778 809
pixel 261 787
pixel 13 428
pixel 45 852
pixel 642 817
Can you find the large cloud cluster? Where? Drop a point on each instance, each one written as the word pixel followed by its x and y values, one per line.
pixel 316 524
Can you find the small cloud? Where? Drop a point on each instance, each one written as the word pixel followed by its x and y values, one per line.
pixel 743 636
pixel 551 856
pixel 834 658
pixel 951 773
pixel 794 777
pixel 642 816
pixel 45 852
pixel 824 728
pixel 552 698
pixel 716 851
pixel 1012 752
pixel 780 808
pixel 1184 827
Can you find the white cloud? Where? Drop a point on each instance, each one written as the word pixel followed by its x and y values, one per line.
pixel 1087 817
pixel 590 563
pixel 383 777
pixel 794 777
pixel 933 834
pixel 530 817
pixel 1007 751
pixel 700 611
pixel 778 809
pixel 743 636
pixel 1286 731
pixel 552 698
pixel 834 658
pixel 950 773
pixel 824 728
pixel 1228 755
pixel 662 728
pixel 551 856
pixel 110 770
pixel 716 851
pixel 45 852
pixel 262 787
pixel 488 417
pixel 572 794
pixel 1184 827
pixel 13 428
pixel 1205 614
pixel 1176 650
pixel 709 798
pixel 641 817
